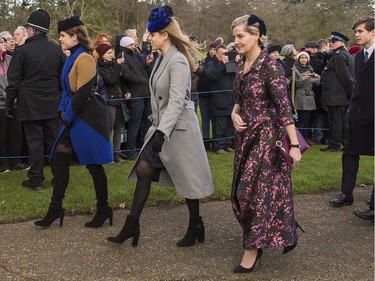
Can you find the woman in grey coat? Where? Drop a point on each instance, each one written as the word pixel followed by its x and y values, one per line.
pixel 173 153
pixel 304 101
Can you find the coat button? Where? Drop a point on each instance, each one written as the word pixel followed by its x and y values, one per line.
pixel 160 98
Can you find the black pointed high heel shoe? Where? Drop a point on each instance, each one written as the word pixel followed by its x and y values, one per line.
pixel 240 269
pixel 196 232
pixel 287 249
pixel 50 217
pixel 100 217
pixel 129 230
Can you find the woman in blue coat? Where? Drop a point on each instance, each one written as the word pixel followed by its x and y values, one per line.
pixel 85 131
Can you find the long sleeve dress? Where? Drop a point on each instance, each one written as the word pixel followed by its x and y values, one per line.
pixel 262 198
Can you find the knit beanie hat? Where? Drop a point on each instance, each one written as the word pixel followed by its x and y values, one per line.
pixel 354 49
pixel 214 44
pixel 303 53
pixel 39 20
pixel 287 50
pixel 102 49
pixel 125 41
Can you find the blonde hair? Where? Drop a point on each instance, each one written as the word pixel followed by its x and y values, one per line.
pixel 182 42
pixel 82 36
pixel 252 29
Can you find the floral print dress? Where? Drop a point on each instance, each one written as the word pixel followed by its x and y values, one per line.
pixel 262 198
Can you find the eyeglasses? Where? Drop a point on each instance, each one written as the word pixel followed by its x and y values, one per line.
pixel 1 42
pixel 8 39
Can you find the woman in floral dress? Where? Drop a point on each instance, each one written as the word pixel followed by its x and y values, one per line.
pixel 262 196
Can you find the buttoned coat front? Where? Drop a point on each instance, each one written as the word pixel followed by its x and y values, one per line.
pixel 183 154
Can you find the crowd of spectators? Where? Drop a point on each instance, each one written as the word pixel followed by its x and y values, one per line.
pixel 124 65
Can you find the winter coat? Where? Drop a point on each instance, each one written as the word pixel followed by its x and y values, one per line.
pixel 183 154
pixel 86 112
pixel 135 74
pixel 4 63
pixel 33 77
pixel 338 79
pixel 221 103
pixel 110 72
pixel 361 108
pixel 304 96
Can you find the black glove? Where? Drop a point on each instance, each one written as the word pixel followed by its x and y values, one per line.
pixel 66 122
pixel 157 141
pixel 9 112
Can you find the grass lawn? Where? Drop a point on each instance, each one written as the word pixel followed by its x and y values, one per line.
pixel 317 171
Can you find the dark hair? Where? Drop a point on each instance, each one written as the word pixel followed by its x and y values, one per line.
pixel 368 21
pixel 82 36
pixel 221 46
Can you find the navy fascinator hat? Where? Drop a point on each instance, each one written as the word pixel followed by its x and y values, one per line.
pixel 159 18
pixel 253 19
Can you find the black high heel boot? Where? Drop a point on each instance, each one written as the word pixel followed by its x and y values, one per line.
pixel 195 232
pixel 240 269
pixel 287 249
pixel 100 217
pixel 50 217
pixel 130 229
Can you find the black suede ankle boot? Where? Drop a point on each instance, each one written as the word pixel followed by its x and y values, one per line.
pixel 195 232
pixel 50 217
pixel 100 217
pixel 130 229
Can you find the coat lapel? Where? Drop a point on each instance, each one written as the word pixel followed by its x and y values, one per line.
pixel 159 70
pixel 369 62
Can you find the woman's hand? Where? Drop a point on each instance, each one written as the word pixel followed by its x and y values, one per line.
pixel 127 95
pixel 120 61
pixel 149 58
pixel 238 123
pixel 295 153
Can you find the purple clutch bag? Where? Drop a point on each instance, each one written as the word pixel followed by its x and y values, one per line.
pixel 284 145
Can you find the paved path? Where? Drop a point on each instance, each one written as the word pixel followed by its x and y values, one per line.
pixel 336 246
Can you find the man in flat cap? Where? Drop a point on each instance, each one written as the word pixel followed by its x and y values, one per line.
pixel 337 87
pixel 33 76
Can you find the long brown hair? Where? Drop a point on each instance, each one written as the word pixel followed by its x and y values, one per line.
pixel 82 36
pixel 181 42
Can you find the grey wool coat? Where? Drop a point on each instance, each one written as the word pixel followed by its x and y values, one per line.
pixel 183 154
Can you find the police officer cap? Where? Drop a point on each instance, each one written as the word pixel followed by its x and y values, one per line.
pixel 338 37
pixel 39 20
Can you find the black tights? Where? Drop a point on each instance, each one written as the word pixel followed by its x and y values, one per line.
pixel 145 173
pixel 60 164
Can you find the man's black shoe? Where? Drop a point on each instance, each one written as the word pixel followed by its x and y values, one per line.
pixel 341 200
pixel 20 166
pixel 36 186
pixel 330 149
pixel 366 215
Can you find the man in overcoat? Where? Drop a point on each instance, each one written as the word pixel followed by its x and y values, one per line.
pixel 360 130
pixel 337 86
pixel 33 76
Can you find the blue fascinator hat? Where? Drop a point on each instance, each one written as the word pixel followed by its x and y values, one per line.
pixel 159 18
pixel 253 19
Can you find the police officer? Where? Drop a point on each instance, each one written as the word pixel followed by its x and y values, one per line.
pixel 33 77
pixel 337 86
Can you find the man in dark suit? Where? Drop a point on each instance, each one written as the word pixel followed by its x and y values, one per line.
pixel 360 130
